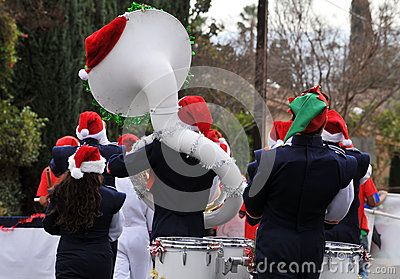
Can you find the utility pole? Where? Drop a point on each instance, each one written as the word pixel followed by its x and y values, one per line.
pixel 259 135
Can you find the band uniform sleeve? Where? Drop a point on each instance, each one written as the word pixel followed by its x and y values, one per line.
pixel 254 195
pixel 116 226
pixel 149 218
pixel 50 221
pixel 340 205
pixel 131 164
pixel 349 171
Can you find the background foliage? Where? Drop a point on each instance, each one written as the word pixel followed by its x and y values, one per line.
pixel 42 49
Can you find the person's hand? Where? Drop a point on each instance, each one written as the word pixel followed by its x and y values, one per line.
pixel 44 200
pixel 383 194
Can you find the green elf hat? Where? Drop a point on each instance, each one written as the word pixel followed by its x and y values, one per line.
pixel 309 112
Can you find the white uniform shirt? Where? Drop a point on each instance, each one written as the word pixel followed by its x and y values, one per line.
pixel 136 212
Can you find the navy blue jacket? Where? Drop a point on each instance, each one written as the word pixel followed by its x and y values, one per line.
pixel 291 191
pixel 180 190
pixel 348 230
pixel 86 253
pixel 60 155
pixel 111 203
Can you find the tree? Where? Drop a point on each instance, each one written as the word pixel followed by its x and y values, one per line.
pixel 8 39
pixel 362 35
pixel 179 8
pixel 20 130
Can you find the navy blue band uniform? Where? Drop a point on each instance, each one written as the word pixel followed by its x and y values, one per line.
pixel 291 191
pixel 180 197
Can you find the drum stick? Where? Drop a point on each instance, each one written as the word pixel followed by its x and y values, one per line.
pixel 381 213
pixel 48 177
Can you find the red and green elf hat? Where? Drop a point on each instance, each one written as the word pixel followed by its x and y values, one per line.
pixel 309 112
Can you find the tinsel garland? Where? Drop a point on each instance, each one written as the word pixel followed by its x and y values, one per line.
pixel 145 118
pixel 23 221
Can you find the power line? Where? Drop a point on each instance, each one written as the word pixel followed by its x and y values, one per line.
pixel 347 11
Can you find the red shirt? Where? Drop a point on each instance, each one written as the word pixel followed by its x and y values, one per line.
pixel 367 189
pixel 42 190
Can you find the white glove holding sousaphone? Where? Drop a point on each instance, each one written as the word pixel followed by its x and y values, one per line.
pixel 144 65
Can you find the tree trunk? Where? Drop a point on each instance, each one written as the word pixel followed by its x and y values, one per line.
pixel 362 35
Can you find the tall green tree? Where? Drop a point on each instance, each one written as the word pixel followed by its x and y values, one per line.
pixel 45 76
pixel 179 8
pixel 20 129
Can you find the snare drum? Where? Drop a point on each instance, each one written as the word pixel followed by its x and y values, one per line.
pixel 185 257
pixel 341 260
pixel 234 248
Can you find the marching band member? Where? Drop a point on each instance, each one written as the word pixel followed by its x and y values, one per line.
pixel 295 189
pixel 175 174
pixel 133 258
pixel 276 136
pixel 48 179
pixel 91 131
pixel 86 215
pixel 369 197
pixel 334 134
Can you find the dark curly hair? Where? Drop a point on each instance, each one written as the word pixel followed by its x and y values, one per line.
pixel 77 201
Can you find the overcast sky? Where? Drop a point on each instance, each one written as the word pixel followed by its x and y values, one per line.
pixel 334 11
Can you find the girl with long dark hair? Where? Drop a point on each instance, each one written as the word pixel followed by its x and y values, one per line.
pixel 86 215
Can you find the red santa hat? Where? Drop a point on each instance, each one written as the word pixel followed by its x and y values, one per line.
pixel 67 141
pixel 278 133
pixel 217 137
pixel 336 129
pixel 87 159
pixel 100 43
pixel 90 126
pixel 127 140
pixel 194 111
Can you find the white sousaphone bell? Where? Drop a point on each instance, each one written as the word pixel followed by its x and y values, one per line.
pixel 143 73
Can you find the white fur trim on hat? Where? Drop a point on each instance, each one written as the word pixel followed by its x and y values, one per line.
pixel 86 167
pixel 83 135
pixel 338 137
pixel 83 75
pixel 347 142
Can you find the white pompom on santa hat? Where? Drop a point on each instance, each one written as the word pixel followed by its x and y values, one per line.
pixel 90 126
pixel 87 159
pixel 336 130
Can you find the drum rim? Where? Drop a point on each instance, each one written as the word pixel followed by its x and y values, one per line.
pixel 343 248
pixel 188 243
pixel 230 241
